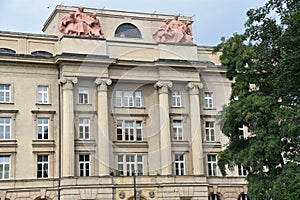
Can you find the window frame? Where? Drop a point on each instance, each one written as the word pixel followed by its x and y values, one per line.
pixel 83 95
pixel 212 167
pixel 84 165
pixel 126 133
pixel 128 167
pixel 44 164
pixel 128 99
pixel 210 133
pixel 81 125
pixel 5 125
pixel 242 171
pixel 179 164
pixel 208 100
pixel 43 128
pixel 4 92
pixel 177 130
pixel 3 165
pixel 43 93
pixel 176 99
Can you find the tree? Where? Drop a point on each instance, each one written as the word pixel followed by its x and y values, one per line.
pixel 264 64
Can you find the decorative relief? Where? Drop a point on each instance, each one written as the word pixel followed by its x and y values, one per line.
pixel 151 194
pixel 68 82
pixel 81 24
pixel 122 195
pixel 174 31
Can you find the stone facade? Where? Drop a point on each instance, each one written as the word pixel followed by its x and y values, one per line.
pixel 80 115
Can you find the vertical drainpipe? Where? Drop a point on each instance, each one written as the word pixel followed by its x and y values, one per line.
pixel 59 132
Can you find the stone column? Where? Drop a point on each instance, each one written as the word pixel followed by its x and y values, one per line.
pixel 196 135
pixel 103 130
pixel 68 153
pixel 165 137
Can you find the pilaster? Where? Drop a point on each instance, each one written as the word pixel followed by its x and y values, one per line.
pixel 68 154
pixel 196 135
pixel 165 140
pixel 103 130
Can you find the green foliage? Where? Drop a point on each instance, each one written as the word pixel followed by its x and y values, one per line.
pixel 264 63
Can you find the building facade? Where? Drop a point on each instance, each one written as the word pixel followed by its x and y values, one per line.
pixel 86 117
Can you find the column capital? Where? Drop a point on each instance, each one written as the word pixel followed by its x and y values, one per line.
pixel 163 86
pixel 102 83
pixel 194 87
pixel 68 82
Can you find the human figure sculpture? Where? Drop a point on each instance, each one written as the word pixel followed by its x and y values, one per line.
pixel 81 24
pixel 174 31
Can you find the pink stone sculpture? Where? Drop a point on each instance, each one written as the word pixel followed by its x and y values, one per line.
pixel 81 24
pixel 174 31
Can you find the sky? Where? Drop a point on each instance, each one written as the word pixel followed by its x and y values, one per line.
pixel 212 18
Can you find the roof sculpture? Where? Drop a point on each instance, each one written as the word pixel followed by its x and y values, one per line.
pixel 174 31
pixel 81 24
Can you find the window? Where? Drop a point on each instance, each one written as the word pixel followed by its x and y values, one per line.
pixel 43 128
pixel 4 167
pixel 242 171
pixel 177 130
pixel 243 197
pixel 128 99
pixel 210 131
pixel 208 100
pixel 179 164
pixel 43 93
pixel 5 93
pixel 176 99
pixel 84 165
pixel 5 128
pixel 128 31
pixel 212 165
pixel 83 95
pixel 42 166
pixel 84 128
pixel 213 197
pixel 128 164
pixel 129 130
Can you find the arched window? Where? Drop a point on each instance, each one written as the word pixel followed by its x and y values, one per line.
pixel 213 197
pixel 243 197
pixel 41 53
pixel 8 51
pixel 127 30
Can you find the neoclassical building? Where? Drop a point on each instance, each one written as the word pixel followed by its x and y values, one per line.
pixel 107 104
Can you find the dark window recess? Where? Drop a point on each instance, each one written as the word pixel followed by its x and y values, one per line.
pixel 7 51
pixel 41 53
pixel 127 30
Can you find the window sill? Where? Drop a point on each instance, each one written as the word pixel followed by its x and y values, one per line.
pixel 43 143
pixel 43 104
pixel 209 109
pixel 8 103
pixel 131 144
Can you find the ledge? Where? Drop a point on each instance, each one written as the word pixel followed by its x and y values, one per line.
pixel 43 112
pixel 43 143
pixel 133 144
pixel 9 111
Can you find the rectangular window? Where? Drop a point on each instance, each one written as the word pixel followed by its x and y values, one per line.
pixel 120 130
pixel 208 100
pixel 210 131
pixel 128 99
pixel 43 128
pixel 242 133
pixel 129 130
pixel 84 165
pixel 138 128
pixel 129 136
pixel 128 164
pixel 179 164
pixel 177 130
pixel 5 93
pixel 5 128
pixel 138 99
pixel 84 128
pixel 212 165
pixel 4 167
pixel 43 93
pixel 42 166
pixel 118 98
pixel 242 171
pixel 176 99
pixel 83 95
